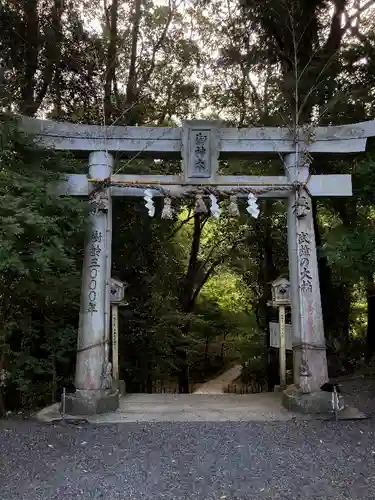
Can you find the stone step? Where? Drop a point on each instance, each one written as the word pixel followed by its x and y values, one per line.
pixel 188 408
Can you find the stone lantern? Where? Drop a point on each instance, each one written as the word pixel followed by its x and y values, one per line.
pixel 117 300
pixel 117 291
pixel 281 292
pixel 281 299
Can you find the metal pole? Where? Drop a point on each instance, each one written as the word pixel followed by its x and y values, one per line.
pixel 115 363
pixel 335 402
pixel 108 248
pixel 63 402
pixel 282 353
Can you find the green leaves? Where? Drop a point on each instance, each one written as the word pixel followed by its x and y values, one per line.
pixel 350 238
pixel 41 237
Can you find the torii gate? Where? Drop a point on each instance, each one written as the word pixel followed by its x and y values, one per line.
pixel 200 143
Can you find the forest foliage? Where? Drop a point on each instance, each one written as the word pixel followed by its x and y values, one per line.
pixel 197 288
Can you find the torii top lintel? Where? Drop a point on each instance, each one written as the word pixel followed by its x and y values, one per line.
pixel 200 144
pixel 341 139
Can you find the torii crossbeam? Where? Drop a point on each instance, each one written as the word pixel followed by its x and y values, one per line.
pixel 200 144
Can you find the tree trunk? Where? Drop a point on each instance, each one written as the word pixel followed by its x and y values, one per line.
pixel 197 275
pixel 110 74
pixel 34 86
pixel 293 31
pixel 336 300
pixel 149 378
pixel 268 275
pixel 183 374
pixel 222 347
pixel 193 283
pixel 32 48
pixel 370 334
pixel 207 343
pixel 2 388
pixel 325 281
pixel 131 87
pixel 187 303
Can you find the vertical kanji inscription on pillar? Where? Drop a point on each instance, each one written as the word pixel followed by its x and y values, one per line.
pixel 94 266
pixel 304 249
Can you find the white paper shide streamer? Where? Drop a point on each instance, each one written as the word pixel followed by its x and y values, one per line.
pixel 167 212
pixel 149 202
pixel 215 209
pixel 252 205
pixel 233 209
pixel 200 206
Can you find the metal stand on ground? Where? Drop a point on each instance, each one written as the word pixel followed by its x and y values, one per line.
pixel 335 403
pixel 343 412
pixel 282 350
pixel 63 403
pixel 64 418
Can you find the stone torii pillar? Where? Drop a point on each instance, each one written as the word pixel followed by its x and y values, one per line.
pixel 309 349
pixel 93 380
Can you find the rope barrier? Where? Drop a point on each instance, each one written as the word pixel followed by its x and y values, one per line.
pixel 311 347
pixel 202 189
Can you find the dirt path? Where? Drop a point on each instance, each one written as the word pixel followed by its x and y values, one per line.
pixel 217 385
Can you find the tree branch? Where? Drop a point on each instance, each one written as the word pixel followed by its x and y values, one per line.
pixel 209 272
pixel 180 226
pixel 188 287
pixel 159 43
pixel 213 248
pixel 360 11
pixel 336 32
pixel 203 281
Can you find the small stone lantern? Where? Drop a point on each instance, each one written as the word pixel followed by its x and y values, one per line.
pixel 281 292
pixel 281 299
pixel 117 300
pixel 117 291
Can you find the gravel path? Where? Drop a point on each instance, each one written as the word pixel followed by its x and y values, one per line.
pixel 360 393
pixel 193 461
pixel 283 461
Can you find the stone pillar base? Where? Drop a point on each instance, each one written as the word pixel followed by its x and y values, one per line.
pixel 317 365
pixel 105 402
pixel 122 387
pixel 314 403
